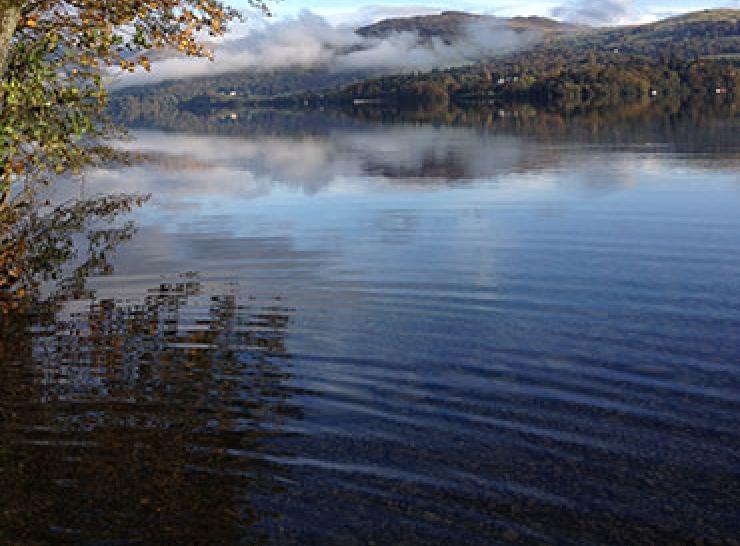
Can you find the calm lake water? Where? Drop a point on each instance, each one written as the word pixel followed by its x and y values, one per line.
pixel 346 332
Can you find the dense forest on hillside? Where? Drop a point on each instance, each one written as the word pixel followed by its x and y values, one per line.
pixel 243 84
pixel 449 26
pixel 546 78
pixel 695 54
pixel 703 33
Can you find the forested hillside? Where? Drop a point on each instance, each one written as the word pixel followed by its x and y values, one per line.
pixel 698 53
pixel 450 27
pixel 708 32
pixel 547 77
pixel 231 86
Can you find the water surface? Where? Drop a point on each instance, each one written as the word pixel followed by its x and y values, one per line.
pixel 404 333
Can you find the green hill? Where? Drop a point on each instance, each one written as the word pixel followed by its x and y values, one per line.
pixel 695 53
pixel 708 32
pixel 690 54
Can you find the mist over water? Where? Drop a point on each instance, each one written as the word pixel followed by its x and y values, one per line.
pixel 399 333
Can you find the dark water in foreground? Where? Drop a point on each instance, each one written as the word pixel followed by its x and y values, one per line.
pixel 386 334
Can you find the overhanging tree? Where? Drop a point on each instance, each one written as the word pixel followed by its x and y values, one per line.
pixel 54 56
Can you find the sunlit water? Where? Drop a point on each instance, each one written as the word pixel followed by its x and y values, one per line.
pixel 399 334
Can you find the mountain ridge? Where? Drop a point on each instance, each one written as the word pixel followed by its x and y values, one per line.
pixel 451 25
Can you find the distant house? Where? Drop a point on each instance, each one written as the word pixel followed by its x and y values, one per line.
pixel 653 93
pixel 233 94
pixel 720 91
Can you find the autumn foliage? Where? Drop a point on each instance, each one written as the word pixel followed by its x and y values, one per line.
pixel 55 58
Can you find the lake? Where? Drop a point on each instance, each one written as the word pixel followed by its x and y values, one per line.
pixel 378 329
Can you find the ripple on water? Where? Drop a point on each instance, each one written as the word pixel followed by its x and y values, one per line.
pixel 438 366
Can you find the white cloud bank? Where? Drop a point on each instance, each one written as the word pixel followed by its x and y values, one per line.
pixel 309 40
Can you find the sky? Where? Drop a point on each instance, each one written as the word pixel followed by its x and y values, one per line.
pixel 599 11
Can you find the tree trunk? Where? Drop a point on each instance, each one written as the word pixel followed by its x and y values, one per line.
pixel 10 14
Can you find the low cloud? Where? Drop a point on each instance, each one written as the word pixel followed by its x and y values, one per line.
pixel 595 12
pixel 310 41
